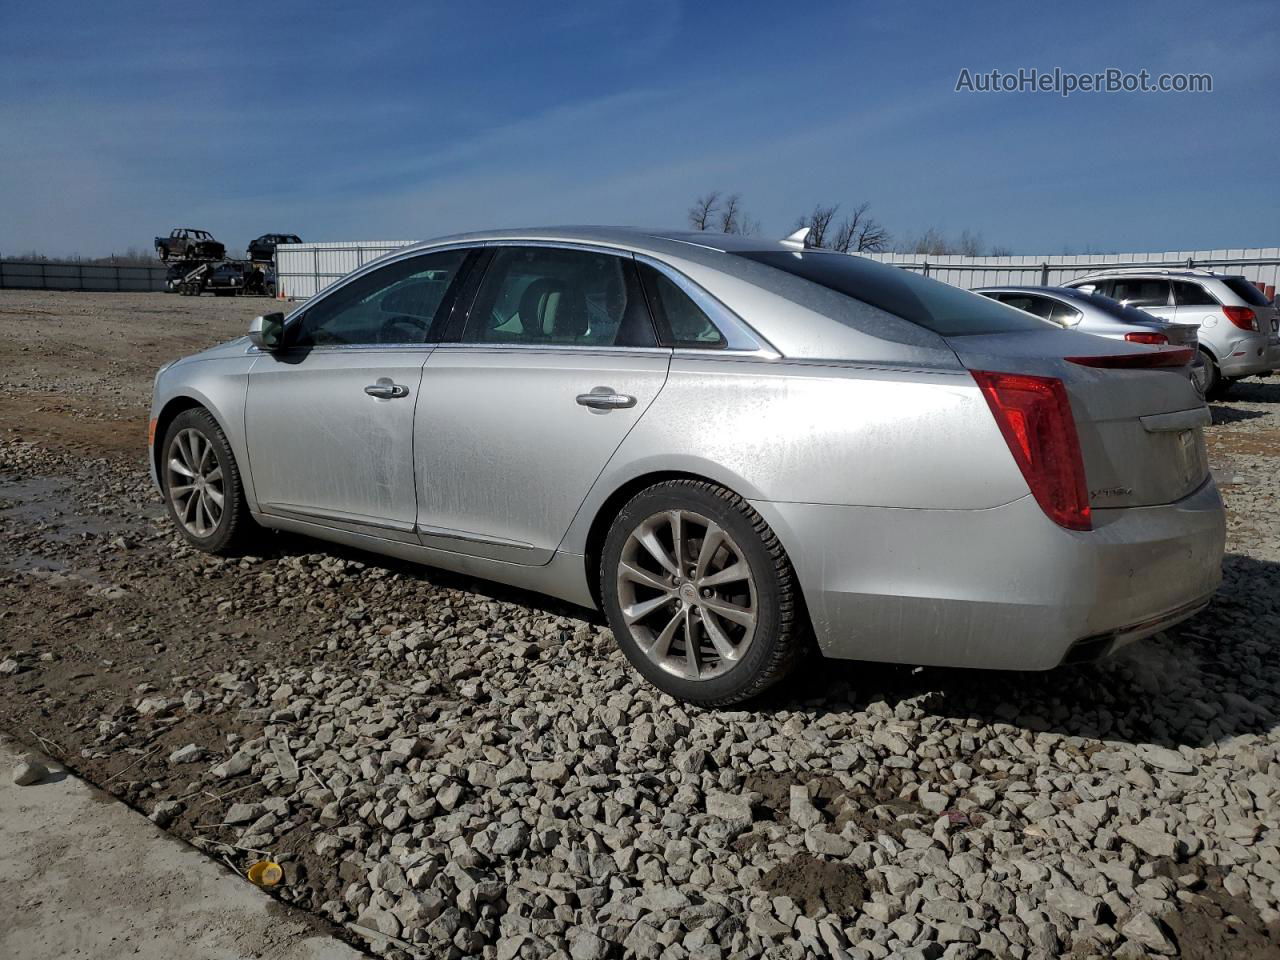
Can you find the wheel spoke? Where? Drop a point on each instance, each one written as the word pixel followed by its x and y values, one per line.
pixel 710 544
pixel 692 655
pixel 730 574
pixel 724 646
pixel 636 574
pixel 638 611
pixel 662 644
pixel 181 468
pixel 729 611
pixel 214 475
pixel 649 540
pixel 206 448
pixel 181 489
pixel 676 519
pixel 215 497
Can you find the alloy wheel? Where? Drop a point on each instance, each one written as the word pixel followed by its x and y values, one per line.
pixel 196 487
pixel 687 594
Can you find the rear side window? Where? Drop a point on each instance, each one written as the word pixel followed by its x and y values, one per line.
pixel 554 296
pixel 1191 295
pixel 1039 306
pixel 1064 314
pixel 1141 292
pixel 680 320
pixel 1246 291
pixel 940 307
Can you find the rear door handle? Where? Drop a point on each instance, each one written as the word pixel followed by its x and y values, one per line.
pixel 603 398
pixel 384 389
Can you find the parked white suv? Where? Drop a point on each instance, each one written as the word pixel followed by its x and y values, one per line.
pixel 1239 329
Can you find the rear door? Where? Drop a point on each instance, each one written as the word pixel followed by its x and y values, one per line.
pixel 555 362
pixel 329 420
pixel 1151 294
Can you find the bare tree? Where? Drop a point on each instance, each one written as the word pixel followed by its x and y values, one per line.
pixel 930 242
pixel 731 214
pixel 999 250
pixel 970 243
pixel 860 232
pixel 819 223
pixel 704 210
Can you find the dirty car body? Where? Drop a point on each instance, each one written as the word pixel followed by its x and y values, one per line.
pixel 948 480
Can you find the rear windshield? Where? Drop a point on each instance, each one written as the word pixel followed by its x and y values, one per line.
pixel 940 307
pixel 1246 291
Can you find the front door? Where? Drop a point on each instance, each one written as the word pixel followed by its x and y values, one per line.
pixel 557 362
pixel 329 419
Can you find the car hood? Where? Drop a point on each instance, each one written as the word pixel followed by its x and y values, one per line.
pixel 232 348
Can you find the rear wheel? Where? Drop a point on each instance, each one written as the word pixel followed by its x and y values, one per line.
pixel 700 594
pixel 1215 386
pixel 202 486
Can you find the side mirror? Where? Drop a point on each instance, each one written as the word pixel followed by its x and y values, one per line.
pixel 267 331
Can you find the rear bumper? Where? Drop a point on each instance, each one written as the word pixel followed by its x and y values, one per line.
pixel 1248 356
pixel 1003 588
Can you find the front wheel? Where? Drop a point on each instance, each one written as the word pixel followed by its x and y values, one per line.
pixel 700 594
pixel 202 485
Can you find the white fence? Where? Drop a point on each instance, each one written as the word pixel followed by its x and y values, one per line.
pixel 304 269
pixel 40 275
pixel 1261 265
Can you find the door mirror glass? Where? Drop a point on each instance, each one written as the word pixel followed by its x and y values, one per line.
pixel 267 331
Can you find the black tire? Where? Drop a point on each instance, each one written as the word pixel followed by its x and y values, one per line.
pixel 235 527
pixel 1215 385
pixel 782 626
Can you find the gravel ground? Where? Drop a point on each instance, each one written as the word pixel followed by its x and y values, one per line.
pixel 447 768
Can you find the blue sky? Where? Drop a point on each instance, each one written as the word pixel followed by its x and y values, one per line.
pixel 405 121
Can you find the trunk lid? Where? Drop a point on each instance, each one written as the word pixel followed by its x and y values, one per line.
pixel 1141 430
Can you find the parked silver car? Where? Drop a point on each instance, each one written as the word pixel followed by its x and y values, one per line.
pixel 732 446
pixel 1239 328
pixel 1103 317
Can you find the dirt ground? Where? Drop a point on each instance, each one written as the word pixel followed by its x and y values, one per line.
pixel 102 608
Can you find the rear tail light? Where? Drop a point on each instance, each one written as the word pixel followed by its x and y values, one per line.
pixel 1147 359
pixel 1034 416
pixel 1152 338
pixel 1242 317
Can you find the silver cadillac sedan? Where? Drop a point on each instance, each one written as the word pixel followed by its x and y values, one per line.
pixel 736 448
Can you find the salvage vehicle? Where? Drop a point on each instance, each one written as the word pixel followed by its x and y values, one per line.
pixel 264 247
pixel 186 243
pixel 737 448
pixel 1239 329
pixel 1093 313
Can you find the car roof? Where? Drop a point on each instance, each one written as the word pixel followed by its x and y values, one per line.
pixel 642 239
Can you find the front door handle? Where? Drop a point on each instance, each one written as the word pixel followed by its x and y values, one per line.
pixel 384 389
pixel 603 398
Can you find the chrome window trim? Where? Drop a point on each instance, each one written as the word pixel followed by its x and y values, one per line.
pixel 739 336
pixel 573 348
pixel 348 347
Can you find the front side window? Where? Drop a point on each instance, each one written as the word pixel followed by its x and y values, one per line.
pixel 395 304
pixel 1141 292
pixel 682 322
pixel 555 296
pixel 1191 295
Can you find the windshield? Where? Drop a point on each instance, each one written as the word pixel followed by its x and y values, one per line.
pixel 946 310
